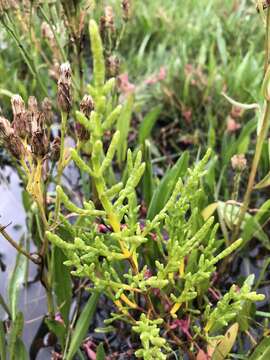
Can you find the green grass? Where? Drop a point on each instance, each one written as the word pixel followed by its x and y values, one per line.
pixel 223 39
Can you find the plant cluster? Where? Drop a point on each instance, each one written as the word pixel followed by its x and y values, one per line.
pixel 160 267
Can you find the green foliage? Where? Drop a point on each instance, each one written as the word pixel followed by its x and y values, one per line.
pixel 228 307
pixel 166 185
pixel 100 352
pixel 262 351
pixel 152 342
pixel 157 269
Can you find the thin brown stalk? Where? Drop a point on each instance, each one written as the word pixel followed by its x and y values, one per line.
pixel 19 248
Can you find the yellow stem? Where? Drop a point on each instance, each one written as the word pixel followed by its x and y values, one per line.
pixel 128 302
pixel 175 308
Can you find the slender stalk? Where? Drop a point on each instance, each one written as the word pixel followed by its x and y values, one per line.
pixel 62 147
pixel 17 246
pixel 61 163
pixel 60 47
pixel 259 144
pixel 254 168
pixel 267 41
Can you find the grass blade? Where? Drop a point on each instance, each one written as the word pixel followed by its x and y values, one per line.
pixel 148 178
pixel 262 350
pixel 15 346
pixel 167 184
pixel 16 281
pixel 82 325
pixel 62 284
pixel 123 125
pixel 3 351
pixel 148 123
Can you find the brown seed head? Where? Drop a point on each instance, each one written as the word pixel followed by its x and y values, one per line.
pixel 55 149
pixel 81 132
pixel 33 114
pixel 112 66
pixel 32 104
pixel 40 143
pixel 64 88
pixel 15 146
pixel 20 123
pixel 87 105
pixel 46 107
pixel 17 104
pixel 5 128
pixel 109 18
pixel 126 9
pixel 265 5
pixel 102 27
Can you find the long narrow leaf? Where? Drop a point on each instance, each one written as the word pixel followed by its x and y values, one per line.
pixel 262 351
pixel 123 125
pixel 148 180
pixel 62 284
pixel 167 184
pixel 15 334
pixel 82 325
pixel 3 351
pixel 148 123
pixel 15 283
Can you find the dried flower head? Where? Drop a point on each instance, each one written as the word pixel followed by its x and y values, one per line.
pixel 55 149
pixel 112 66
pixel 33 114
pixel 81 132
pixel 126 9
pixel 5 128
pixel 20 123
pixel 32 104
pixel 46 107
pixel 239 162
pixel 102 27
pixel 12 140
pixel 87 105
pixel 109 18
pixel 264 4
pixel 17 104
pixel 40 143
pixel 64 88
pixel 15 146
